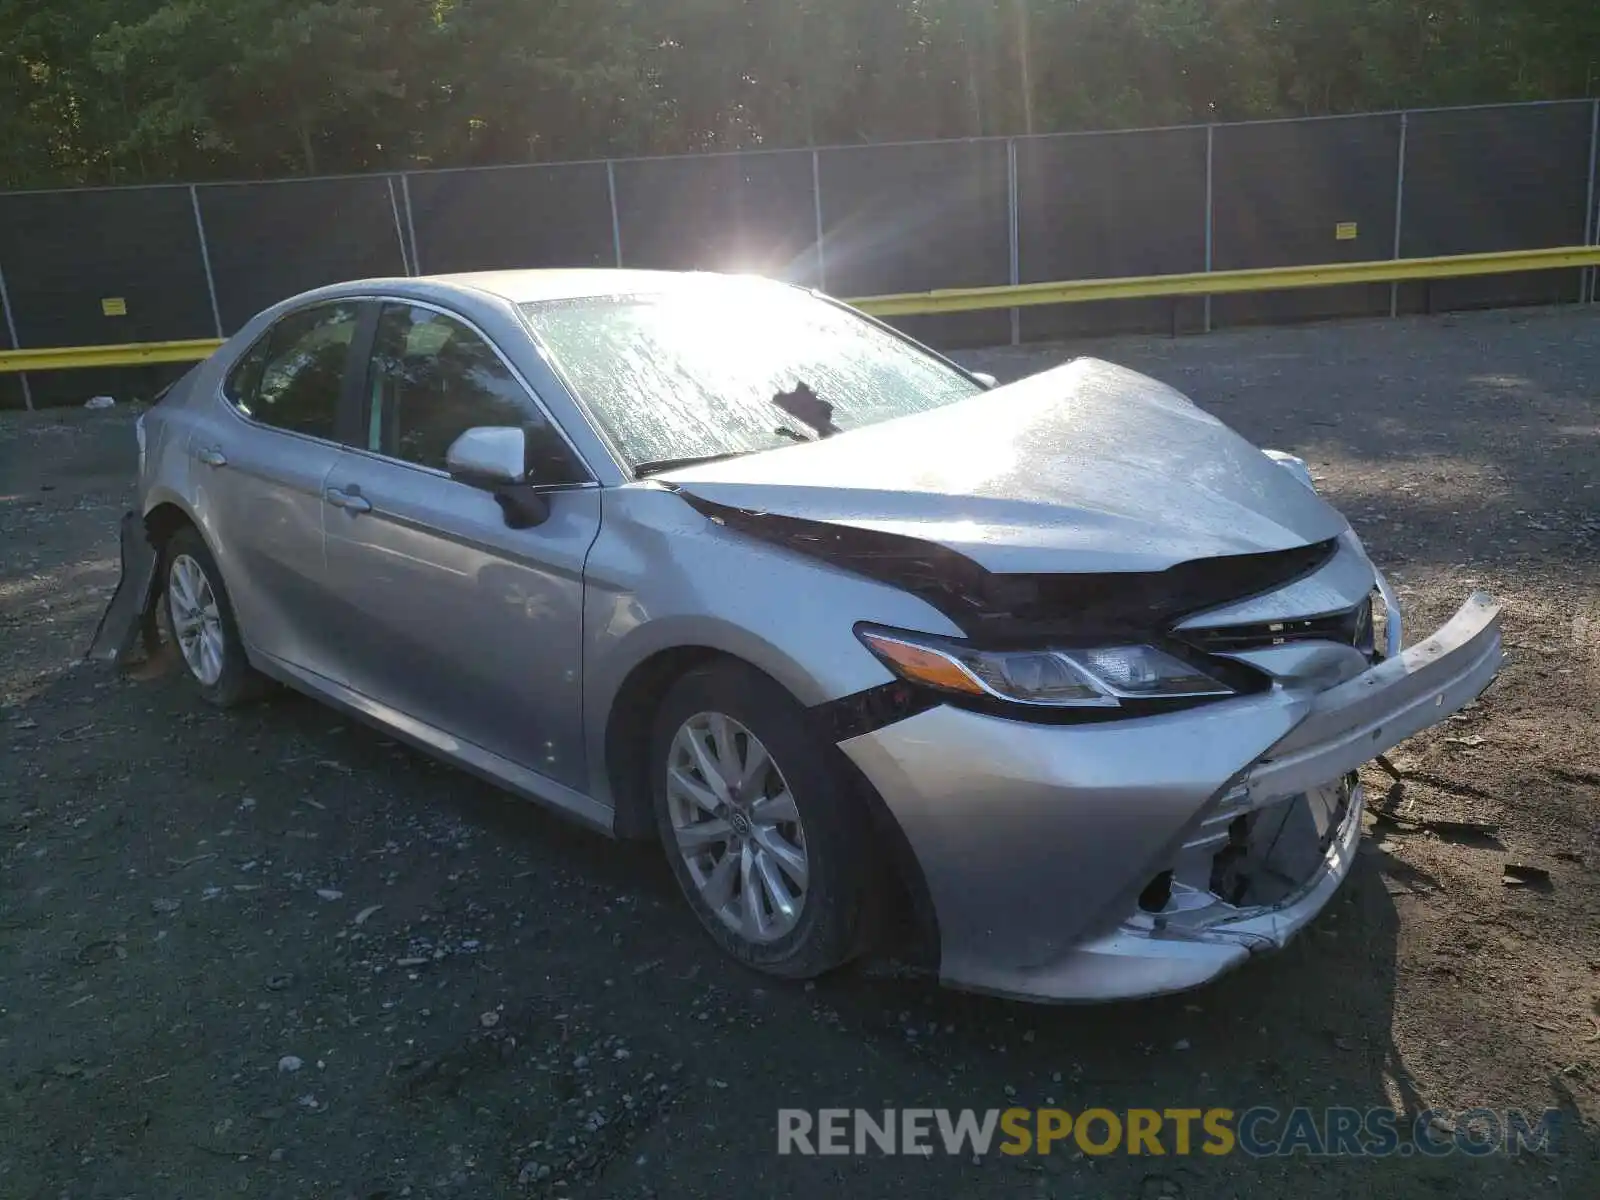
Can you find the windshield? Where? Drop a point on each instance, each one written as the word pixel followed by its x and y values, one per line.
pixel 694 373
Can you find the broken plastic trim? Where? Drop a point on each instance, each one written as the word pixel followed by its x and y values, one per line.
pixel 127 616
pixel 994 609
pixel 862 712
pixel 1351 627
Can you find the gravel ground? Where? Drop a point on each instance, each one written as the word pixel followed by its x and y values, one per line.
pixel 271 953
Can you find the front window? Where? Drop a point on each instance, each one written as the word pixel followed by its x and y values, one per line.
pixel 698 372
pixel 432 379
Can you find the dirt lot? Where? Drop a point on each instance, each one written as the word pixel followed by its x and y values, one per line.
pixel 187 896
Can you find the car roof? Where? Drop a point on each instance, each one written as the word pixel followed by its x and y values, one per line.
pixel 532 286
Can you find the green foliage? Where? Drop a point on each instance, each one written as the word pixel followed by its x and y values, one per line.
pixel 114 91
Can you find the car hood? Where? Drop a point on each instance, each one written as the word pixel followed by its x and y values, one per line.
pixel 1087 467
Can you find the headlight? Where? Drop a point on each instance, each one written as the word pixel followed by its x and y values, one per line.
pixel 1101 677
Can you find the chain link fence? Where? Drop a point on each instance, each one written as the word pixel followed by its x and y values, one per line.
pixel 161 263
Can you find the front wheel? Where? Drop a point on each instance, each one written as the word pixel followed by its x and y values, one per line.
pixel 200 618
pixel 759 825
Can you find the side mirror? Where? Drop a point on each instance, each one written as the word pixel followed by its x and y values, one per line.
pixel 488 455
pixel 495 457
pixel 988 380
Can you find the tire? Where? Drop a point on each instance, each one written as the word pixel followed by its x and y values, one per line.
pixel 188 571
pixel 828 898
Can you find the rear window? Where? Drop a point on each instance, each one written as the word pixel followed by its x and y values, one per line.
pixel 292 377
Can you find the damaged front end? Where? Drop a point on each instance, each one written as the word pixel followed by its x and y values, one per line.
pixel 1150 855
pixel 1137 847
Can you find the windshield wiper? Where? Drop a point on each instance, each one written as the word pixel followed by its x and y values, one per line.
pixel 670 464
pixel 656 466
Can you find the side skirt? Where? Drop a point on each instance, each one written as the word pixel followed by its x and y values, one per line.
pixel 488 766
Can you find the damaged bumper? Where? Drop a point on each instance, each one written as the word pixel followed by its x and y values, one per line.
pixel 1097 862
pixel 129 615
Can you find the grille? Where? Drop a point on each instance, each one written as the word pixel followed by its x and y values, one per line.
pixel 1352 627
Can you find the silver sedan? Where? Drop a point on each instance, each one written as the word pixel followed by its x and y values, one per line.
pixel 1056 689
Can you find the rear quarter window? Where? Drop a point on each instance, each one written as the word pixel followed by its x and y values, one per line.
pixel 293 376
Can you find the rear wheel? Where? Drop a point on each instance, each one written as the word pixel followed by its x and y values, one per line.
pixel 758 823
pixel 201 621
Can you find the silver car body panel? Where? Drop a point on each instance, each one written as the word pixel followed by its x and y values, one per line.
pixel 661 576
pixel 1087 467
pixel 441 611
pixel 505 651
pixel 271 484
pixel 441 743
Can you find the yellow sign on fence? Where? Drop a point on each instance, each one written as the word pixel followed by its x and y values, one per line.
pixel 1344 231
pixel 114 306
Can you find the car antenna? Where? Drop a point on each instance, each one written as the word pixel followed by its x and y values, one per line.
pixel 810 409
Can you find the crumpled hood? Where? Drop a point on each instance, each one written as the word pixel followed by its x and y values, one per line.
pixel 1086 467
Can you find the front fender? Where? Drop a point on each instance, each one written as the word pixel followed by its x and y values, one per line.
pixel 661 577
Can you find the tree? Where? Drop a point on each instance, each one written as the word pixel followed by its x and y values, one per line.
pixel 112 91
pixel 261 82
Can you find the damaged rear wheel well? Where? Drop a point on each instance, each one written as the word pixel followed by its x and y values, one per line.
pixel 164 520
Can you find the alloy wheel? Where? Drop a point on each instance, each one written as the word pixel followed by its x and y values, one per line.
pixel 196 619
pixel 737 827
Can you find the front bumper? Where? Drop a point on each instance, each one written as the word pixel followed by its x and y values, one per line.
pixel 1040 844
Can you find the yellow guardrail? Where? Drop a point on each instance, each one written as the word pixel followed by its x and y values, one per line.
pixel 1214 283
pixel 953 300
pixel 132 354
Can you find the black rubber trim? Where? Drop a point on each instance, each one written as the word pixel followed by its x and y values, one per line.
pixel 862 712
pixel 1039 714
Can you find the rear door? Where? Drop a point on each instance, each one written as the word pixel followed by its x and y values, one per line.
pixel 450 617
pixel 261 466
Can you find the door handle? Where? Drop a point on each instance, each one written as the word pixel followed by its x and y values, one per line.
pixel 212 457
pixel 349 501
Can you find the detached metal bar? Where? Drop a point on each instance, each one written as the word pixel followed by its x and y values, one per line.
pixel 1211 138
pixel 616 221
pixel 816 203
pixel 1399 210
pixel 1016 236
pixel 411 225
pixel 1591 216
pixel 399 231
pixel 205 258
pixel 11 327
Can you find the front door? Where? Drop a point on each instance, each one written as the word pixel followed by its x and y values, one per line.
pixel 449 616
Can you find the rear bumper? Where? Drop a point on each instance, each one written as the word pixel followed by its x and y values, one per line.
pixel 128 615
pixel 1040 844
